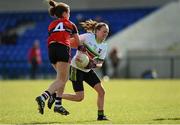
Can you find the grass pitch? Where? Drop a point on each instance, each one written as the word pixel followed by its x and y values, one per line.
pixel 127 101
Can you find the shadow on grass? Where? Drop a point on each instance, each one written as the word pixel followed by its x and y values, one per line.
pixel 79 122
pixel 162 119
pixel 40 123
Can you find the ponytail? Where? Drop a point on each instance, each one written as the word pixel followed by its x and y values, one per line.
pixel 57 8
pixel 92 26
pixel 89 25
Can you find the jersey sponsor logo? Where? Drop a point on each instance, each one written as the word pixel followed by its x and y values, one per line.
pixel 99 51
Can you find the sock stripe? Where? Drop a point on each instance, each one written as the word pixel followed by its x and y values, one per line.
pixel 58 101
pixel 45 95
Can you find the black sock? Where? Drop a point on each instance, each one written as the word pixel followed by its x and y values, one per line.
pixel 100 112
pixel 45 95
pixel 58 102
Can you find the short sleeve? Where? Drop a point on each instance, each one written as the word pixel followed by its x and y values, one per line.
pixel 83 37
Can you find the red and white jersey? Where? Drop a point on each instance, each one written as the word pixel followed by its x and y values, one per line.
pixel 94 49
pixel 60 30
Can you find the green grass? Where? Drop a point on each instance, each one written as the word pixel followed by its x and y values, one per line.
pixel 127 101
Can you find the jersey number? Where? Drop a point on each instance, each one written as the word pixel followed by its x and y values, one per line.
pixel 59 27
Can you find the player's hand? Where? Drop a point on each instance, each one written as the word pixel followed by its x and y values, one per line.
pixel 77 57
pixel 82 48
pixel 91 64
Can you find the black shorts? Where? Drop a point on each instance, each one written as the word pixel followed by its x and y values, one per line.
pixel 77 77
pixel 59 53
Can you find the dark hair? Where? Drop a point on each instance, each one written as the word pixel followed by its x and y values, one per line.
pixel 92 26
pixel 57 8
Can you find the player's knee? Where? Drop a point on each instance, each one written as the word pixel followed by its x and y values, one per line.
pixel 101 92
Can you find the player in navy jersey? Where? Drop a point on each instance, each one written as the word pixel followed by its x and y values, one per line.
pixel 96 49
pixel 60 30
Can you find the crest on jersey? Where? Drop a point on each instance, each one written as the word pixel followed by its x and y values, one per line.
pixel 99 51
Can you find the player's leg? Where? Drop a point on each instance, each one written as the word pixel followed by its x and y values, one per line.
pixel 93 80
pixel 59 57
pixel 44 96
pixel 58 84
pixel 78 96
pixel 53 96
pixel 100 101
pixel 62 76
pixel 76 76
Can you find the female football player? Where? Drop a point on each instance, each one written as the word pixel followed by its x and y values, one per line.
pixel 96 49
pixel 60 30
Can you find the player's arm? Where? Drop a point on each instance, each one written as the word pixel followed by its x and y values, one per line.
pixel 75 39
pixel 98 62
pixel 74 43
pixel 95 63
pixel 79 46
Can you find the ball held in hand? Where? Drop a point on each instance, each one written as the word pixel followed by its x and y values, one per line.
pixel 81 60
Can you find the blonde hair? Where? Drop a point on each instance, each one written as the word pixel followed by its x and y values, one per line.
pixel 92 26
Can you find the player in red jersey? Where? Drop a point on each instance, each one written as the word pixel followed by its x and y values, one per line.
pixel 60 30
